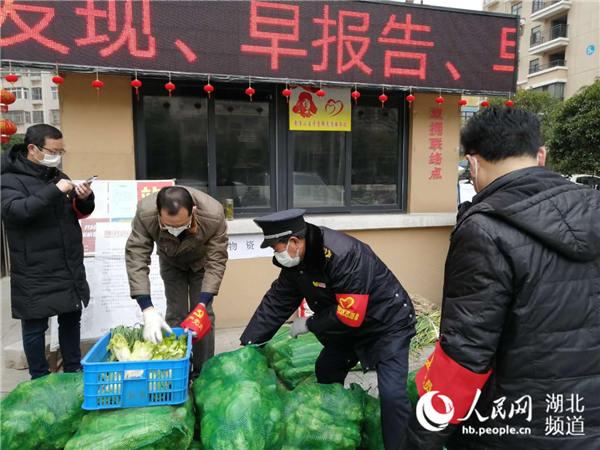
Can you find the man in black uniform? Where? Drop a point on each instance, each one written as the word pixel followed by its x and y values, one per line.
pixel 361 311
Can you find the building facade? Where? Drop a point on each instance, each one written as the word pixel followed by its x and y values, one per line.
pixel 559 43
pixel 37 100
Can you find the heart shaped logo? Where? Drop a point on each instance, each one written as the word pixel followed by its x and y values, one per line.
pixel 346 303
pixel 333 107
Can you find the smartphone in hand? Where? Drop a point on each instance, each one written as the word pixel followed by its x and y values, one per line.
pixel 90 180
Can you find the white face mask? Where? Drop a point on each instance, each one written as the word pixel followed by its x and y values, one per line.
pixel 51 160
pixel 285 259
pixel 176 231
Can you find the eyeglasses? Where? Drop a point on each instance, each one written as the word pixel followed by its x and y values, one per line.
pixel 60 151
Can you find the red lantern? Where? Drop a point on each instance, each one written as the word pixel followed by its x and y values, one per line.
pixel 287 92
pixel 170 86
pixel 11 77
pixel 355 95
pixel 439 100
pixel 410 98
pixel 7 127
pixel 209 88
pixel 4 138
pixel 136 84
pixel 383 98
pixel 58 80
pixel 6 98
pixel 485 104
pixel 321 93
pixel 250 91
pixel 97 84
pixel 462 102
pixel 509 103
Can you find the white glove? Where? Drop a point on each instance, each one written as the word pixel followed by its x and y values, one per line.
pixel 298 327
pixel 153 325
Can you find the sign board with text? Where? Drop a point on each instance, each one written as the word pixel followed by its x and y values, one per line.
pixel 390 43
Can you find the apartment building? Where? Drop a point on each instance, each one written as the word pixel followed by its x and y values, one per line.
pixel 37 99
pixel 559 43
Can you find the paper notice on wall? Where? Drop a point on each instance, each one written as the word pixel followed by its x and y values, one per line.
pixel 245 246
pixel 110 304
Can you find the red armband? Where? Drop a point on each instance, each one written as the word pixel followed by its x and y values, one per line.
pixel 78 213
pixel 351 308
pixel 444 375
pixel 198 322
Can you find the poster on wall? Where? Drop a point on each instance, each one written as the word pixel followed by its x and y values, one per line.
pixel 116 201
pixel 310 112
pixel 110 303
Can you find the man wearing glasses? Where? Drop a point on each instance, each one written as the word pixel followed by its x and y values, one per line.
pixel 40 210
pixel 190 232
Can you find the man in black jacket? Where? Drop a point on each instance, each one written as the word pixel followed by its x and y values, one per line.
pixel 361 311
pixel 520 331
pixel 40 210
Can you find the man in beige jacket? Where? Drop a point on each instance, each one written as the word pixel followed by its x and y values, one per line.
pixel 190 232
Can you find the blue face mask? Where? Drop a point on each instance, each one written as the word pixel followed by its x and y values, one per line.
pixel 285 259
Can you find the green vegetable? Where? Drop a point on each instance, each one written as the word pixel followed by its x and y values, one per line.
pixel 292 359
pixel 42 414
pixel 427 328
pixel 151 428
pixel 323 417
pixel 372 437
pixel 240 404
pixel 171 347
pixel 128 344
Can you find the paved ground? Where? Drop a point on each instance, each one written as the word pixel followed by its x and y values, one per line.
pixel 14 370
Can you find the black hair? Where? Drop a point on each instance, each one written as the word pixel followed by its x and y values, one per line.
pixel 173 198
pixel 498 133
pixel 37 134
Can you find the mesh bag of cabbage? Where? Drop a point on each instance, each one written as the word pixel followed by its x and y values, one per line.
pixel 323 417
pixel 149 428
pixel 372 437
pixel 239 402
pixel 292 359
pixel 42 413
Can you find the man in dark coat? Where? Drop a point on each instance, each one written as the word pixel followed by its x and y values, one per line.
pixel 520 330
pixel 361 311
pixel 40 211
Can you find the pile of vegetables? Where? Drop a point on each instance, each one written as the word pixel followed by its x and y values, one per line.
pixel 128 344
pixel 323 417
pixel 43 413
pixel 239 402
pixel 151 428
pixel 292 359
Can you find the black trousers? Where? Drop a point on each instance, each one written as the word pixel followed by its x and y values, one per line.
pixel 34 343
pixel 182 289
pixel 333 365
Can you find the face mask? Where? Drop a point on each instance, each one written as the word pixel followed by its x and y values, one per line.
pixel 176 231
pixel 285 259
pixel 51 160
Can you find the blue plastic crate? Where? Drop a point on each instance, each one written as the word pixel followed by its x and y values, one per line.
pixel 110 385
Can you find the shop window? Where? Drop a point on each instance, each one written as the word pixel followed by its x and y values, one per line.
pixel 319 169
pixel 242 152
pixel 176 139
pixel 234 148
pixel 375 156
